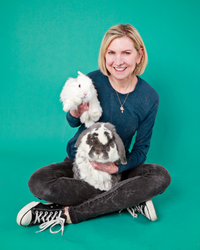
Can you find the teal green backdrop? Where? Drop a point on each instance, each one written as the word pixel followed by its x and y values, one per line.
pixel 43 42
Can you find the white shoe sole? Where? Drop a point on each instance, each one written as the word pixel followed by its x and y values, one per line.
pixel 24 211
pixel 151 210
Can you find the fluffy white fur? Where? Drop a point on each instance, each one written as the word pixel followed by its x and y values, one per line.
pixel 102 144
pixel 81 90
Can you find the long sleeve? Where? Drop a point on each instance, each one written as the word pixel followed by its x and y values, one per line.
pixel 73 122
pixel 141 146
pixel 140 109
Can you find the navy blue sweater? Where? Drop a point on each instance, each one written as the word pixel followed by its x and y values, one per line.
pixel 139 115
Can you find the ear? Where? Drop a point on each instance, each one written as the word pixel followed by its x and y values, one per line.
pixel 120 148
pixel 118 141
pixel 80 73
pixel 140 55
pixel 86 131
pixel 110 127
pixel 81 136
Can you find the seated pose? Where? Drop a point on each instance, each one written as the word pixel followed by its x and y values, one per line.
pixel 130 104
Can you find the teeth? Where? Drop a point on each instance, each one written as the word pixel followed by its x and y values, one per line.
pixel 120 69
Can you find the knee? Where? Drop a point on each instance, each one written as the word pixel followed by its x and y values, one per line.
pixel 45 182
pixel 37 183
pixel 34 184
pixel 163 177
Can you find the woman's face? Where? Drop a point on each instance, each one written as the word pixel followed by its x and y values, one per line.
pixel 122 57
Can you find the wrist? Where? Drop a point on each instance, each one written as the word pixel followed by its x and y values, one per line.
pixel 74 113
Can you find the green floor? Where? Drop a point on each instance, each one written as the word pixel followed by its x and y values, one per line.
pixel 43 42
pixel 177 226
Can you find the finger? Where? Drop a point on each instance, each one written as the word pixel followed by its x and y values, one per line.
pixel 86 106
pixel 81 105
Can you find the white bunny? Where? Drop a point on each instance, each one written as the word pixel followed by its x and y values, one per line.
pixel 99 143
pixel 81 90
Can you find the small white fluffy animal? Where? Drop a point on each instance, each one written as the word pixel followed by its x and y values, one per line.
pixel 81 90
pixel 98 143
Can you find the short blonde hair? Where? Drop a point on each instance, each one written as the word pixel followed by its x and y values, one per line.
pixel 117 31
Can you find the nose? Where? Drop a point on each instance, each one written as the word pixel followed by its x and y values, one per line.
pixel 118 60
pixel 85 94
pixel 98 152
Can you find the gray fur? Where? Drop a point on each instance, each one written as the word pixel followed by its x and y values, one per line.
pixel 88 130
pixel 94 147
pixel 119 143
pixel 76 171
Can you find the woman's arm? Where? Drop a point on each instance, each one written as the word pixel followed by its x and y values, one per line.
pixel 73 116
pixel 141 146
pixel 108 167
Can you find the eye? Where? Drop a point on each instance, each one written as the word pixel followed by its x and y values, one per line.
pixel 127 53
pixel 110 53
pixel 94 136
pixel 79 85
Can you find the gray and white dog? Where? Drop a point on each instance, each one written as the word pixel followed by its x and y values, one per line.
pixel 99 143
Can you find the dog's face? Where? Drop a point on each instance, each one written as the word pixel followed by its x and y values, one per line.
pixel 101 144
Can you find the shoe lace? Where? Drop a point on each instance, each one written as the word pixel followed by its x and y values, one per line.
pixel 136 209
pixel 55 220
pixel 38 216
pixel 132 211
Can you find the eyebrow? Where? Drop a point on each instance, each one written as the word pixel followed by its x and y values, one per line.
pixel 122 51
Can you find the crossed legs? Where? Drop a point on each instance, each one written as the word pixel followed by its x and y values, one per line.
pixel 55 183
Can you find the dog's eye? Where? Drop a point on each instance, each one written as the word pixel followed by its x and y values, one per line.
pixel 79 85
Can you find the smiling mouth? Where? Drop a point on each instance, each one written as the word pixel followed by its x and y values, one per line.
pixel 119 69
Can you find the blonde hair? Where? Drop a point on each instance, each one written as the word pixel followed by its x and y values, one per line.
pixel 118 31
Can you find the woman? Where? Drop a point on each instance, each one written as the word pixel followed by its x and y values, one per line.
pixel 130 104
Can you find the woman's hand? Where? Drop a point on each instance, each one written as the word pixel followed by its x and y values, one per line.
pixel 81 109
pixel 108 167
